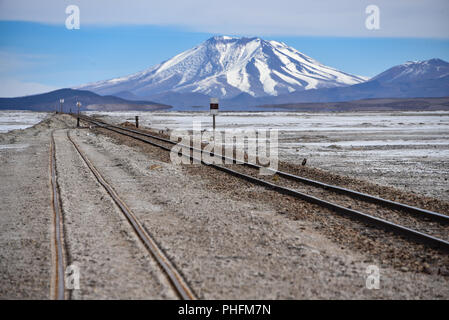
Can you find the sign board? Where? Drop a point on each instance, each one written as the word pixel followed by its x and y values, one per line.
pixel 214 106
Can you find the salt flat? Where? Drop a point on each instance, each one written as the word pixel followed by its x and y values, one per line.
pixel 13 120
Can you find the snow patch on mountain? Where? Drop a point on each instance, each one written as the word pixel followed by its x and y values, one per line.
pixel 415 71
pixel 226 67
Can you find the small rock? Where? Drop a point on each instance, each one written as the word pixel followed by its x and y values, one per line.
pixel 155 166
pixel 426 269
pixel 443 272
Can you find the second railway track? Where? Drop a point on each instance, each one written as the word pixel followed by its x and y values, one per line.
pixel 58 286
pixel 418 224
pixel 177 282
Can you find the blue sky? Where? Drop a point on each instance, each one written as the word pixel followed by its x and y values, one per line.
pixel 38 53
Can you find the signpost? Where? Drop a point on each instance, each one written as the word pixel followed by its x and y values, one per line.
pixel 61 101
pixel 213 110
pixel 78 104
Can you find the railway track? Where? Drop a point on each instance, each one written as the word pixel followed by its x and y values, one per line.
pixel 58 285
pixel 421 225
pixel 177 282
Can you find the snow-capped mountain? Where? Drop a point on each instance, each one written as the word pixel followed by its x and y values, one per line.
pixel 226 67
pixel 415 71
pixel 418 79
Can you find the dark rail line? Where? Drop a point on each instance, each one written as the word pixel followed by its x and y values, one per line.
pixel 58 286
pixel 178 283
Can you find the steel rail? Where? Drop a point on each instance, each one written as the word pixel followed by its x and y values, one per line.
pixel 355 194
pixel 411 233
pixel 416 235
pixel 176 280
pixel 58 286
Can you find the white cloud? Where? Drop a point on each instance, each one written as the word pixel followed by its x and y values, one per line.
pixel 15 88
pixel 398 18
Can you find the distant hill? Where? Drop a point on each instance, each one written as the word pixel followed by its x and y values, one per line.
pixel 383 104
pixel 90 101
